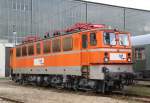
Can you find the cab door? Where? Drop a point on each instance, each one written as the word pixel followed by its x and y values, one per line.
pixel 84 49
pixel 94 55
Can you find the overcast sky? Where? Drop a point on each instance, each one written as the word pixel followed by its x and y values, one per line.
pixel 138 4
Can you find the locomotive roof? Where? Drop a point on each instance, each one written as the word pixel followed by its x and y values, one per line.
pixel 101 29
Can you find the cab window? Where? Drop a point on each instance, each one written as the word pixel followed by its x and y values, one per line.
pixel 123 40
pixel 109 38
pixel 93 40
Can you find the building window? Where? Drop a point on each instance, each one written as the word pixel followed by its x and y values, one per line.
pixel 38 48
pixel 84 41
pixel 26 7
pixel 18 6
pixel 46 46
pixel 139 54
pixel 24 51
pixel 30 49
pixel 14 6
pixel 67 43
pixel 56 46
pixel 18 52
pixel 22 6
pixel 93 40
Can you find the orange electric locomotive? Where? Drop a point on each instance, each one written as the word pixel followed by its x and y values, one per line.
pixel 86 56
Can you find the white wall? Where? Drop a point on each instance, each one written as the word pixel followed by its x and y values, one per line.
pixel 2 60
pixel 2 57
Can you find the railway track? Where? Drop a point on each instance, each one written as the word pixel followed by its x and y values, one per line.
pixel 115 95
pixel 126 96
pixel 10 100
pixel 144 79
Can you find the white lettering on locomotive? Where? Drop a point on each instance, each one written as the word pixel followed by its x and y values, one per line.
pixel 38 61
pixel 117 56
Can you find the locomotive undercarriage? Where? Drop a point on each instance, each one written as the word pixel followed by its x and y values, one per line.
pixel 112 81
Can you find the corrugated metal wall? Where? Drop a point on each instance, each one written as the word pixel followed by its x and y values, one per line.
pixel 137 22
pixel 52 15
pixel 15 15
pixel 39 16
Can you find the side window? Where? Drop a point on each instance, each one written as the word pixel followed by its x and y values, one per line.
pixel 93 40
pixel 139 54
pixel 46 46
pixel 24 51
pixel 84 41
pixel 31 49
pixel 67 44
pixel 38 48
pixel 56 46
pixel 18 52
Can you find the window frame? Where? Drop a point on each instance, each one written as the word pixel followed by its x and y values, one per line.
pixel 64 42
pixel 54 50
pixel 38 50
pixel 46 43
pixel 19 52
pixel 30 54
pixel 109 36
pixel 24 50
pixel 14 6
pixel 95 39
pixel 86 45
pixel 139 54
pixel 127 38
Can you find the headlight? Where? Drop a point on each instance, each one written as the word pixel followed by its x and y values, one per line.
pixel 106 59
pixel 129 59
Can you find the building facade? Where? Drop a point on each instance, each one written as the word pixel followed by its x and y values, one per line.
pixel 40 16
pixel 15 15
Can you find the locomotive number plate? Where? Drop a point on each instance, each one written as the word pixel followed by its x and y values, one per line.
pixel 117 56
pixel 38 61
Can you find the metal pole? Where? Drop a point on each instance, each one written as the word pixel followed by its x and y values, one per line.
pixel 14 34
pixel 86 12
pixel 31 16
pixel 124 18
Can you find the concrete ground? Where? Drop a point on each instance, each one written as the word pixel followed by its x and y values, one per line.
pixel 33 94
